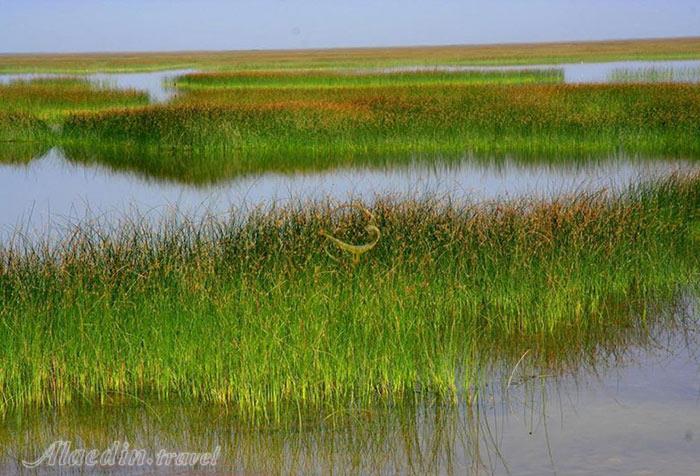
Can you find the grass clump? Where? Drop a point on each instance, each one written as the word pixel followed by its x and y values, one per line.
pixel 310 79
pixel 31 111
pixel 21 127
pixel 225 124
pixel 249 124
pixel 252 312
pixel 655 75
pixel 51 98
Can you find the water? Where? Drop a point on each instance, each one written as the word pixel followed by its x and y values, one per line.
pixel 687 71
pixel 53 189
pixel 634 410
pixel 154 83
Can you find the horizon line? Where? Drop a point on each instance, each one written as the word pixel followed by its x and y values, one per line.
pixel 347 48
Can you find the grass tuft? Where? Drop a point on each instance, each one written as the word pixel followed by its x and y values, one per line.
pixel 253 313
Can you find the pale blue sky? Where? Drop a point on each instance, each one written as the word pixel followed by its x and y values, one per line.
pixel 147 25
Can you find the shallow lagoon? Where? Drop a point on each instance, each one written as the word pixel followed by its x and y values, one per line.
pixel 632 410
pixel 626 410
pixel 157 83
pixel 154 83
pixel 687 71
pixel 52 190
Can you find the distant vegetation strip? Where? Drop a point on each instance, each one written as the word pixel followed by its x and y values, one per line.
pixel 225 124
pixel 522 54
pixel 546 119
pixel 314 80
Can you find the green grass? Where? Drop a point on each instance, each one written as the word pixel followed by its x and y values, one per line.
pixel 32 111
pixel 254 313
pixel 22 152
pixel 259 314
pixel 376 439
pixel 309 79
pixel 52 98
pixel 193 168
pixel 22 127
pixel 656 75
pixel 272 128
pixel 227 124
pixel 511 54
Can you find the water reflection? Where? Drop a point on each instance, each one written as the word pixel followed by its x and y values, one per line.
pixel 155 83
pixel 633 409
pixel 57 188
pixel 687 71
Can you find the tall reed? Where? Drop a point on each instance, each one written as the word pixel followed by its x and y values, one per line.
pixel 252 312
pixel 550 120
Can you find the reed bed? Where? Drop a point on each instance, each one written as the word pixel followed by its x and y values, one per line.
pixel 22 127
pixel 656 75
pixel 31 111
pixel 225 124
pixel 228 127
pixel 534 53
pixel 192 168
pixel 50 98
pixel 346 79
pixel 258 313
pixel 360 439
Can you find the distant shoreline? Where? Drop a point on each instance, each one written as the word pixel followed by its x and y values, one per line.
pixel 504 53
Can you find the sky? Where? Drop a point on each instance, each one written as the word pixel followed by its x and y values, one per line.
pixel 166 25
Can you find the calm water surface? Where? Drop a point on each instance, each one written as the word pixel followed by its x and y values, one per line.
pixel 629 411
pixel 686 71
pixel 633 412
pixel 156 83
pixel 54 190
